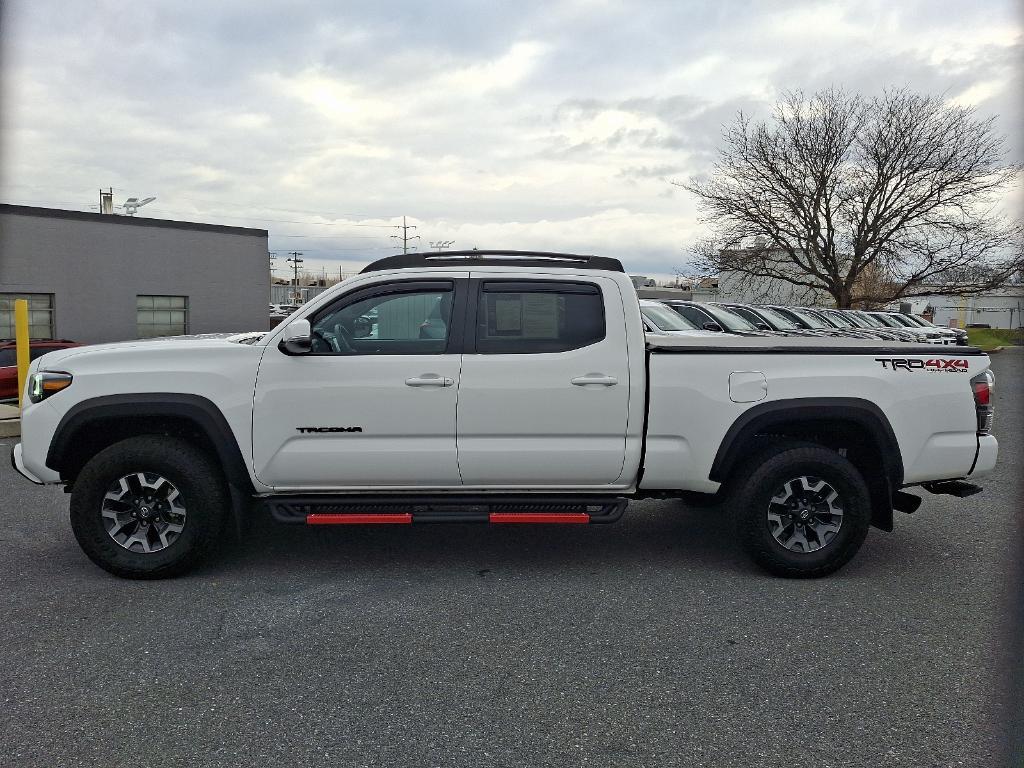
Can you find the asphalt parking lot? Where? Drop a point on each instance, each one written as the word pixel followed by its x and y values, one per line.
pixel 648 643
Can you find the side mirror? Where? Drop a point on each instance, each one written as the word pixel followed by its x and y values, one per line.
pixel 763 327
pixel 709 326
pixel 297 338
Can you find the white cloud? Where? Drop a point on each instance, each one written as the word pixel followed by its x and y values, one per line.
pixel 539 124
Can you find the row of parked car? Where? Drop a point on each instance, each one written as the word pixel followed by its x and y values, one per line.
pixel 283 310
pixel 675 316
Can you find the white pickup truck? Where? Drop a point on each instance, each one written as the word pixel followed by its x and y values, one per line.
pixel 501 387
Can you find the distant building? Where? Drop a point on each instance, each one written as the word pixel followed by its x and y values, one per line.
pixel 1003 308
pixel 703 291
pixel 642 281
pixel 93 277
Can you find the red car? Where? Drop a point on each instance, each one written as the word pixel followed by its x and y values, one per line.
pixel 9 361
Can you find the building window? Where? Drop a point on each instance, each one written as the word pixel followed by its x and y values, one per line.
pixel 161 316
pixel 40 314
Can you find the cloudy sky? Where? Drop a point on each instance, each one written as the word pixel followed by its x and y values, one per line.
pixel 555 125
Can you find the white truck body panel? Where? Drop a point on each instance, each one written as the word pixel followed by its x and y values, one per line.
pixel 523 424
pixel 517 422
pixel 408 432
pixel 219 370
pixel 931 413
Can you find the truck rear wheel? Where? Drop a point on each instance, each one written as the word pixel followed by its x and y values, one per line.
pixel 149 507
pixel 802 510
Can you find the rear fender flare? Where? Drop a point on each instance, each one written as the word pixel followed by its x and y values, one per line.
pixel 780 414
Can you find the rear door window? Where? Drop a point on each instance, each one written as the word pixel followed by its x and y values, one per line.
pixel 524 317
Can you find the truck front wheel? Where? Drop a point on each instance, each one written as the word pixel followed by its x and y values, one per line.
pixel 148 507
pixel 802 510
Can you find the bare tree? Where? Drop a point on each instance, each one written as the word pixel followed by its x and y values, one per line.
pixel 868 200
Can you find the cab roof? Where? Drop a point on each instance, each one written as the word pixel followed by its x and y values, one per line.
pixel 493 258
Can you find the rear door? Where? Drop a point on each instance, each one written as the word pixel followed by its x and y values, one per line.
pixel 373 405
pixel 544 392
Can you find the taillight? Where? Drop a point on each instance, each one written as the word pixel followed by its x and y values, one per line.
pixel 982 385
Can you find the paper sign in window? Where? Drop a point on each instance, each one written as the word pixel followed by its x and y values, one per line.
pixel 540 316
pixel 508 315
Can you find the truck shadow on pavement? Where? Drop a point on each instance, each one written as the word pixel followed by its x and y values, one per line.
pixel 663 533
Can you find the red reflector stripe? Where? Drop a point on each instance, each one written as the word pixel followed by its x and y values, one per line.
pixel 353 519
pixel 539 517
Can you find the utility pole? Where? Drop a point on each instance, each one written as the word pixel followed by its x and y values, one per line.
pixel 273 260
pixel 294 259
pixel 404 237
pixel 107 201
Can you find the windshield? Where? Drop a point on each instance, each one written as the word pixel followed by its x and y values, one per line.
pixel 871 320
pixel 829 323
pixel 844 321
pixel 729 319
pixel 664 319
pixel 886 321
pixel 778 319
pixel 812 320
pixel 854 319
pixel 902 321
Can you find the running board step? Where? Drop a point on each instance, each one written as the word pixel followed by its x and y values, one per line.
pixel 392 510
pixel 959 488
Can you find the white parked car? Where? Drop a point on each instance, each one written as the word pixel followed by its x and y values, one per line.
pixel 533 396
pixel 661 319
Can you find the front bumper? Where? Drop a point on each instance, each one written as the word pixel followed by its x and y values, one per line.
pixel 988 453
pixel 19 465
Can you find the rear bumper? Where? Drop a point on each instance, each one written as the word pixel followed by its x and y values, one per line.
pixel 19 465
pixel 988 453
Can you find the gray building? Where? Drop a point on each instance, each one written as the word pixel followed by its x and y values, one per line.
pixel 1003 308
pixel 93 277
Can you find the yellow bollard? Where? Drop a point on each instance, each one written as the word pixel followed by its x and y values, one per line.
pixel 21 337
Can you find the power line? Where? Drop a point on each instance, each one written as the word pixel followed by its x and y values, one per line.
pixel 358 250
pixel 327 237
pixel 83 207
pixel 280 221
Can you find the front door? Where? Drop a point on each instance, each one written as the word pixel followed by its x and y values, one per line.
pixel 373 404
pixel 544 392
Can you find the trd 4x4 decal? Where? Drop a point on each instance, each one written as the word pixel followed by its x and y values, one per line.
pixel 942 364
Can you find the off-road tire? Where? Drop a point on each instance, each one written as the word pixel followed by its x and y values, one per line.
pixel 764 473
pixel 195 474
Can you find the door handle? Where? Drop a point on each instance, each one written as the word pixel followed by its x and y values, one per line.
pixel 429 380
pixel 595 378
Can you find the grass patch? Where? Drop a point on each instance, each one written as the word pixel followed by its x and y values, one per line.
pixel 990 338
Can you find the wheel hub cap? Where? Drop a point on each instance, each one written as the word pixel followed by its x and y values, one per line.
pixel 805 514
pixel 143 512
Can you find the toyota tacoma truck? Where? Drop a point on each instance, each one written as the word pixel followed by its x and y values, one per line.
pixel 500 387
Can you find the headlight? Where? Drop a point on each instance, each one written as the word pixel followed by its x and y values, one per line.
pixel 42 385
